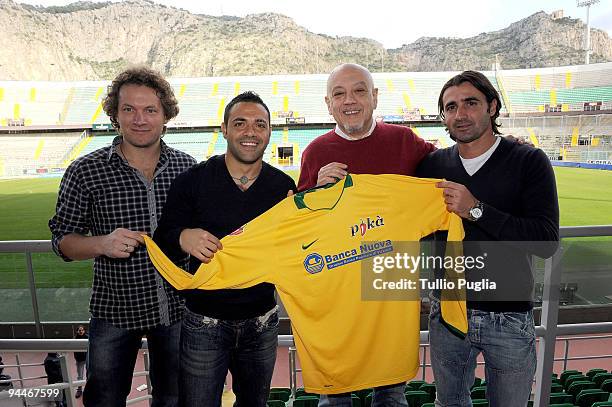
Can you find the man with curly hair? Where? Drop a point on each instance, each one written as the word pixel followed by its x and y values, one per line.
pixel 107 199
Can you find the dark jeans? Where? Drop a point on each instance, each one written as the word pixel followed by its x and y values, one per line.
pixel 111 357
pixel 209 347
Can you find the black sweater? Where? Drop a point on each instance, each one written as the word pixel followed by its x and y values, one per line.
pixel 517 187
pixel 205 196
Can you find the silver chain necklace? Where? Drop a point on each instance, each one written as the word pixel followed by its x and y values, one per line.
pixel 244 179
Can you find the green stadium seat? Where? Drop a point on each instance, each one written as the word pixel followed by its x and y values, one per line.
pixel 479 392
pixel 428 405
pixel 415 384
pixel 587 397
pixel 480 403
pixel 278 393
pixel 606 386
pixel 602 404
pixel 576 387
pixel 299 392
pixel 599 378
pixel 355 401
pixel 562 405
pixel 416 398
pixel 306 401
pixel 275 403
pixel 566 373
pixel 559 398
pixel 368 401
pixel 556 388
pixel 429 388
pixel 477 382
pixel 593 372
pixel 573 378
pixel 362 394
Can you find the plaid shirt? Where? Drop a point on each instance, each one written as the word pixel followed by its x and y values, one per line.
pixel 99 193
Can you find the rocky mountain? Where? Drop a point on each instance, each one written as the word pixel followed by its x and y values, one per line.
pixel 88 41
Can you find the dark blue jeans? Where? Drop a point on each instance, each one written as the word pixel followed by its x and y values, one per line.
pixel 507 343
pixel 210 347
pixel 111 357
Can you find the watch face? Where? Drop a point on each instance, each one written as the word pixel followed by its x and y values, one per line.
pixel 476 212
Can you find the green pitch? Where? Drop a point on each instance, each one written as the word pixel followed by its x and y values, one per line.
pixel 585 198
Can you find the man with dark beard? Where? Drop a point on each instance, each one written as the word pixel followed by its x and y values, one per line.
pixel 235 330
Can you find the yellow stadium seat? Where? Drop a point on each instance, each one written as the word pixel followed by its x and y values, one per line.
pixel 96 113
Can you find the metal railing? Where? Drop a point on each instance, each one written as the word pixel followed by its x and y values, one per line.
pixel 547 331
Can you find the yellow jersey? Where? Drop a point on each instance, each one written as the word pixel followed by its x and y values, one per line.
pixel 313 247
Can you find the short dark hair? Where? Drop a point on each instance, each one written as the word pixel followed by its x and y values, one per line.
pixel 249 97
pixel 480 82
pixel 144 76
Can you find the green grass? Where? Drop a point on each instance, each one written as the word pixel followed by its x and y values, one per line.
pixel 26 205
pixel 585 196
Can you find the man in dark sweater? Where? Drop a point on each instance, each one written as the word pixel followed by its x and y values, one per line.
pixel 505 193
pixel 235 330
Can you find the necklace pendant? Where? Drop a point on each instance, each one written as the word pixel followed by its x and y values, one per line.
pixel 244 180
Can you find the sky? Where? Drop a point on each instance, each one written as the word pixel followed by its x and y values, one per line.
pixel 394 23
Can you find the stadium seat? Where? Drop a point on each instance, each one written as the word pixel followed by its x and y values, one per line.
pixel 306 401
pixel 602 404
pixel 606 386
pixel 559 398
pixel 362 394
pixel 599 378
pixel 275 403
pixel 301 392
pixel 355 401
pixel 368 401
pixel 556 388
pixel 576 387
pixel 587 397
pixel 574 378
pixel 479 392
pixel 429 388
pixel 567 373
pixel 279 393
pixel 562 405
pixel 480 403
pixel 477 382
pixel 415 384
pixel 593 372
pixel 416 398
pixel 428 405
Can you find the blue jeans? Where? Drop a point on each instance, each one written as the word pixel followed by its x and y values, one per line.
pixel 210 347
pixel 391 396
pixel 111 358
pixel 507 343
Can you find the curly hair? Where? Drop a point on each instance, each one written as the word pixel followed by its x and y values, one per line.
pixel 140 75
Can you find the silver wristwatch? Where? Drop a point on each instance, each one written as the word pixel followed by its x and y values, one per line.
pixel 476 211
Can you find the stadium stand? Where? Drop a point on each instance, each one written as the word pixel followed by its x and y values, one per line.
pixel 559 89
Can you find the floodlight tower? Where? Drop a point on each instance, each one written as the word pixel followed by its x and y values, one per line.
pixel 587 40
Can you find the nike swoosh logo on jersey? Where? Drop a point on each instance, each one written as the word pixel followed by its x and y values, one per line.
pixel 306 246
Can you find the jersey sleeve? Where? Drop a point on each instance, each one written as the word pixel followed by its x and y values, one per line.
pixel 248 257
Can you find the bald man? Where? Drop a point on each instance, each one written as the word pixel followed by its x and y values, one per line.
pixel 361 146
pixel 358 144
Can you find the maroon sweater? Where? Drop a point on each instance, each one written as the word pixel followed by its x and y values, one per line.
pixel 390 149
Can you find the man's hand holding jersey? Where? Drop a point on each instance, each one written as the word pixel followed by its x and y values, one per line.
pixel 458 198
pixel 199 243
pixel 331 173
